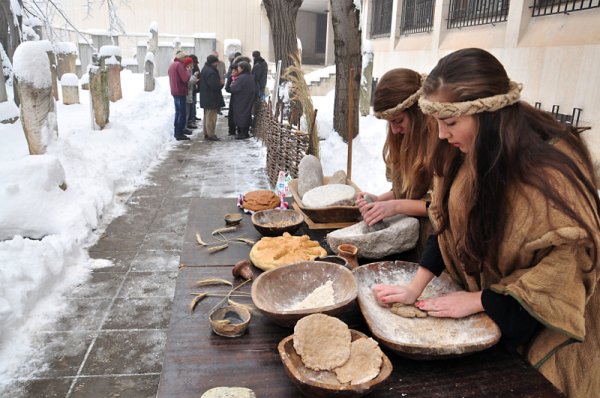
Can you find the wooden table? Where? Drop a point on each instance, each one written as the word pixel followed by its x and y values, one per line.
pixel 195 359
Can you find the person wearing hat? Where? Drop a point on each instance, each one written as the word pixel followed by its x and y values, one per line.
pixel 260 70
pixel 211 98
pixel 178 80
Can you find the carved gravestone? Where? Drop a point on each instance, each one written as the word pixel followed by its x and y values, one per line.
pixel 310 174
pixel 70 88
pixel 399 235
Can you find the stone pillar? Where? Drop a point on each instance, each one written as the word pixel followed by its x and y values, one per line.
pixel 110 60
pixel 153 46
pixel 366 79
pixel 66 57
pixel 149 82
pixel 70 88
pixel 38 115
pixel 53 73
pixel 98 82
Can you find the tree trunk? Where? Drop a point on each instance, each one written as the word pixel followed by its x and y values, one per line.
pixel 37 116
pixel 99 92
pixel 346 27
pixel 149 82
pixel 282 19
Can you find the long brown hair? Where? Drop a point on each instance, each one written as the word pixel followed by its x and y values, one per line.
pixel 513 145
pixel 407 154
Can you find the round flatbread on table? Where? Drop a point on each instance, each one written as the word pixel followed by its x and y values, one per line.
pixel 364 364
pixel 323 342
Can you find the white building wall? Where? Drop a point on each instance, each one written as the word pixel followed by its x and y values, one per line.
pixel 556 57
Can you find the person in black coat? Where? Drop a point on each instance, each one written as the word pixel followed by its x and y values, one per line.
pixel 243 94
pixel 211 98
pixel 260 71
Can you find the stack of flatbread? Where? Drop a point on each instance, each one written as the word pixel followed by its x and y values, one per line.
pixel 324 343
pixel 272 252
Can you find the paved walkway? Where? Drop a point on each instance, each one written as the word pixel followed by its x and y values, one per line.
pixel 110 341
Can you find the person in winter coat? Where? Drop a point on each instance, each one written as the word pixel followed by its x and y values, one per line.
pixel 191 116
pixel 243 95
pixel 230 79
pixel 178 79
pixel 259 71
pixel 191 103
pixel 211 98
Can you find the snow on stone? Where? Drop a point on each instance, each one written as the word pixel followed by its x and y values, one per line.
pixel 85 79
pixel 112 60
pixel 154 26
pixel 149 57
pixel 31 63
pixel 69 80
pixel 108 51
pixel 65 47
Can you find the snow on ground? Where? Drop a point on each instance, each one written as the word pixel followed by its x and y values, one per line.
pixel 45 231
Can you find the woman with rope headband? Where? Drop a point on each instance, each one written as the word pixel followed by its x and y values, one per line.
pixel 411 136
pixel 516 214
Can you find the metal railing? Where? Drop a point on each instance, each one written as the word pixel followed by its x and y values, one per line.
pixel 417 16
pixel 549 7
pixel 477 12
pixel 565 118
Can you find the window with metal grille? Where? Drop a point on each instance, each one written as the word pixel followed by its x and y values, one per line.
pixel 476 12
pixel 549 7
pixel 381 18
pixel 417 16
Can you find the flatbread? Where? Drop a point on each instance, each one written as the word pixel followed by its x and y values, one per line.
pixel 407 311
pixel 272 252
pixel 364 364
pixel 322 341
pixel 263 199
pixel 229 392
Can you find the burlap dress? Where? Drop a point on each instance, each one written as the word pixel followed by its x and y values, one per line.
pixel 541 264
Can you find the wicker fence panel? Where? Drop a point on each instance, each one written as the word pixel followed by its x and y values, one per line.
pixel 285 146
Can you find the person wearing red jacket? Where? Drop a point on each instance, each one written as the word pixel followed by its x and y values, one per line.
pixel 178 79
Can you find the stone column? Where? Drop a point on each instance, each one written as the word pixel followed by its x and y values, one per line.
pixel 53 73
pixel 66 57
pixel 153 45
pixel 99 93
pixel 70 88
pixel 149 82
pixel 110 60
pixel 365 81
pixel 38 115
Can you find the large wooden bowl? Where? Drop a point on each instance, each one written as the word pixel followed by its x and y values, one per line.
pixel 275 222
pixel 420 338
pixel 331 214
pixel 315 385
pixel 279 289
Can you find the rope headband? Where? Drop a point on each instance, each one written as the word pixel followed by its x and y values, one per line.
pixel 407 103
pixel 488 104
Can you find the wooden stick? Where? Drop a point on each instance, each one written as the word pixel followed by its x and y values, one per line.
pixel 350 122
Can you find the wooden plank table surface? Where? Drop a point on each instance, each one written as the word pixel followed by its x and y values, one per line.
pixel 196 359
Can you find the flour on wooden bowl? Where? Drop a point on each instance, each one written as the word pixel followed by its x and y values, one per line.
pixel 428 337
pixel 322 296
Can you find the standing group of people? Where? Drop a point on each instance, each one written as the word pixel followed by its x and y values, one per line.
pixel 245 83
pixel 508 194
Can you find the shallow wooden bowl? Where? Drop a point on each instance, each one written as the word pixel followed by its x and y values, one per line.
pixel 420 338
pixel 317 384
pixel 277 290
pixel 331 214
pixel 275 222
pixel 233 218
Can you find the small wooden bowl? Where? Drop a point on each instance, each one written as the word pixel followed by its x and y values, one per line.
pixel 313 384
pixel 232 218
pixel 277 290
pixel 275 222
pixel 230 321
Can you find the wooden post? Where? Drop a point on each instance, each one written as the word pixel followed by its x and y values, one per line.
pixel 350 121
pixel 312 135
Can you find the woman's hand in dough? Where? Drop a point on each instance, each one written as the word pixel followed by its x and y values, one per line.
pixel 452 305
pixel 389 294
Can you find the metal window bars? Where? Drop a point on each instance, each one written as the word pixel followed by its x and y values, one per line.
pixel 550 7
pixel 381 18
pixel 464 13
pixel 417 16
